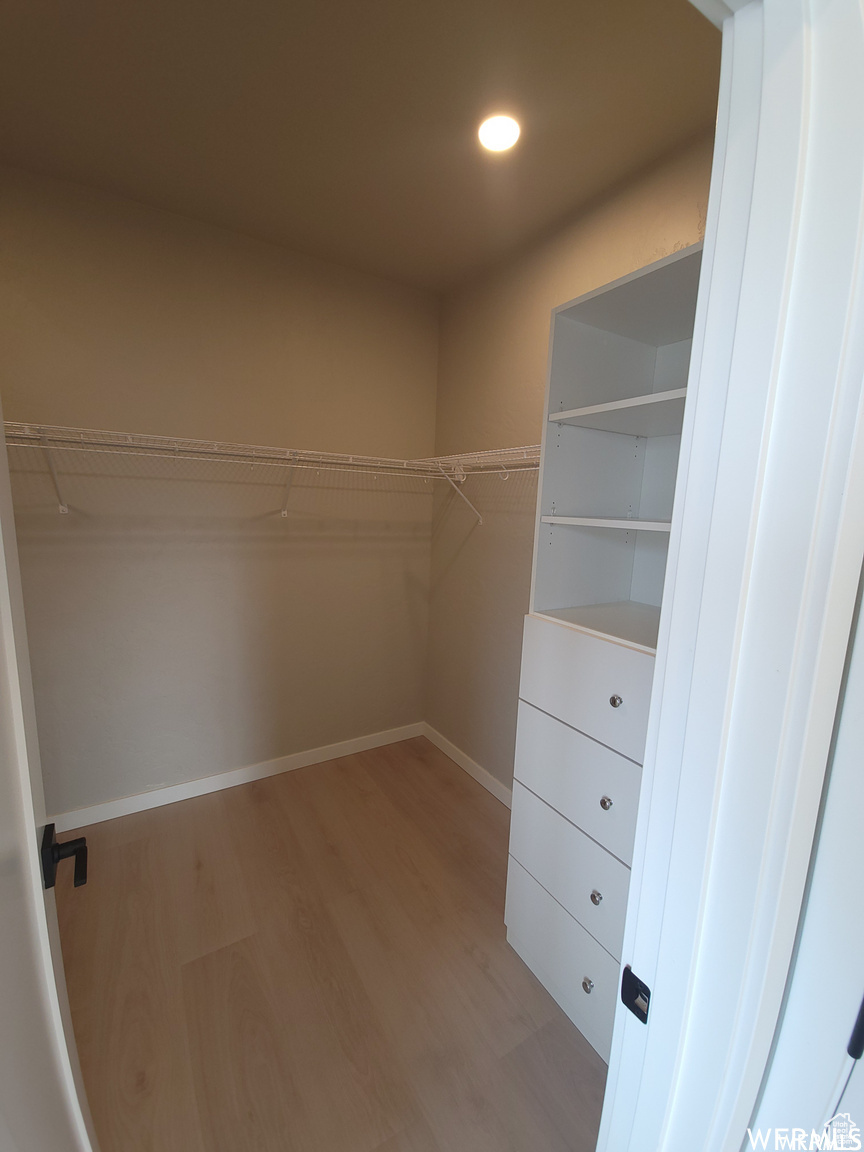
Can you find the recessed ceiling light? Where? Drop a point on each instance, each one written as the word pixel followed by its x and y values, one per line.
pixel 498 133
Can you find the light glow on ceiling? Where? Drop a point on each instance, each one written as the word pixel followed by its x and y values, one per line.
pixel 498 133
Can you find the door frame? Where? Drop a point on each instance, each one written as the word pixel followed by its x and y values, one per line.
pixel 48 1026
pixel 810 1066
pixel 766 546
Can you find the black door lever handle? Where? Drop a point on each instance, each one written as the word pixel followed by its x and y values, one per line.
pixel 856 1040
pixel 52 853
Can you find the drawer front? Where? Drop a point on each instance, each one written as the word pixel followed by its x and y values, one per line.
pixel 561 954
pixel 574 774
pixel 573 676
pixel 571 867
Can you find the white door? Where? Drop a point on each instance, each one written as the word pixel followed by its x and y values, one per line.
pixel 42 1105
pixel 805 1083
pixel 764 557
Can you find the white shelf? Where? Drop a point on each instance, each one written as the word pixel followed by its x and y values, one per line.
pixel 595 522
pixel 55 438
pixel 626 620
pixel 657 414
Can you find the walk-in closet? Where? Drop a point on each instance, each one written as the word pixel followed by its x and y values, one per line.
pixel 331 560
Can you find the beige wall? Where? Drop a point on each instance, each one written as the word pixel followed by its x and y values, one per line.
pixel 181 627
pixel 119 316
pixel 491 386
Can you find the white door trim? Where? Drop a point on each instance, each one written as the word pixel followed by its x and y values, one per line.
pixel 809 1064
pixel 48 1094
pixel 766 546
pixel 718 10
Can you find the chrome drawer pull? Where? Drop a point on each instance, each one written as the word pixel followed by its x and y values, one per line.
pixel 605 803
pixel 596 898
pixel 615 701
pixel 587 985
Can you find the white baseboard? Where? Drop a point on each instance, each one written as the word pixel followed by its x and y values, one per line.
pixel 490 783
pixel 82 817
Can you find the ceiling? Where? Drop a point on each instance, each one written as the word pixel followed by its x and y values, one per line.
pixel 347 128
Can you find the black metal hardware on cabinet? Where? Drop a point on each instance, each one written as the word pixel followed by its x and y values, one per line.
pixel 635 994
pixel 53 853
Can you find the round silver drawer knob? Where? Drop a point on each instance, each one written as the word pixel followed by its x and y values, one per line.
pixel 615 701
pixel 587 985
pixel 596 897
pixel 605 803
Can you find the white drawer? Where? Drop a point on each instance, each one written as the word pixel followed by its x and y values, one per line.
pixel 573 676
pixel 571 867
pixel 561 954
pixel 574 774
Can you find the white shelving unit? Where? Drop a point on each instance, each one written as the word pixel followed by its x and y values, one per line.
pixel 617 388
pixel 57 439
pixel 615 404
pixel 57 445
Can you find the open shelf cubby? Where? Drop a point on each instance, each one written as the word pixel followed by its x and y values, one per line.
pixel 604 579
pixel 617 390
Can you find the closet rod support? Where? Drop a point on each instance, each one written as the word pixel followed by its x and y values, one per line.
pixel 62 506
pixel 459 492
pixel 287 492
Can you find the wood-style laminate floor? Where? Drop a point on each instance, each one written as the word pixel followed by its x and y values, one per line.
pixel 317 962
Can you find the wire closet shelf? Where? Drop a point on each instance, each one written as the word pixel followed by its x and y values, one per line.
pixel 452 468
